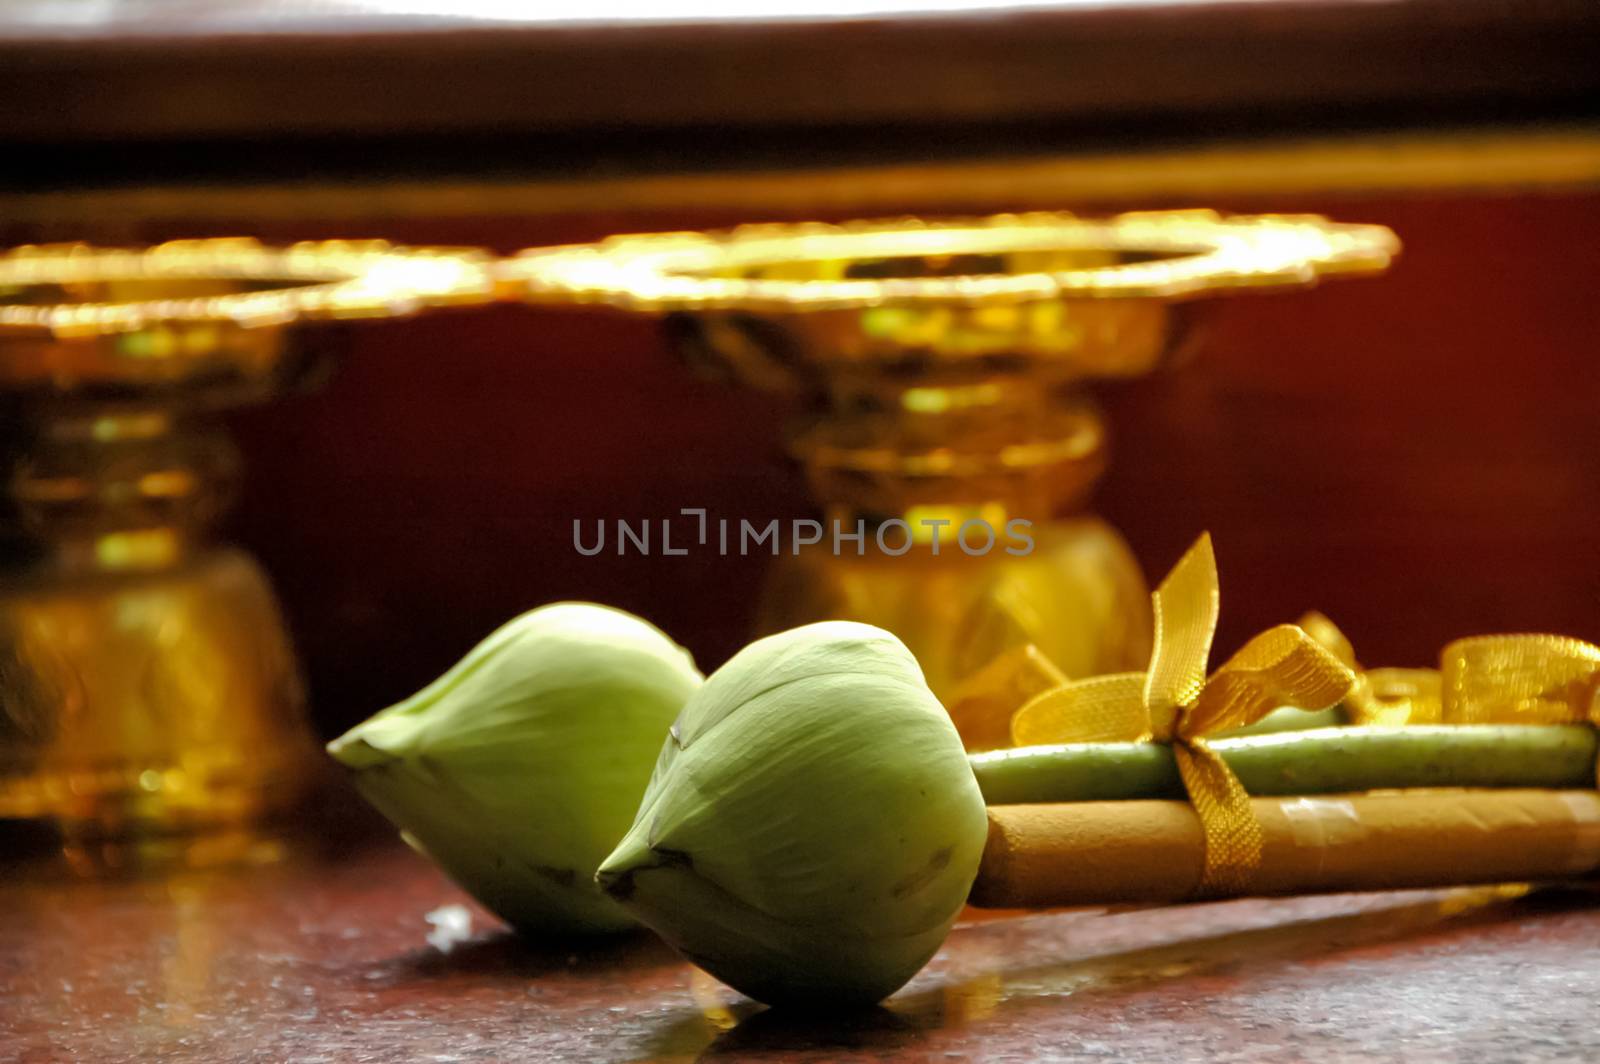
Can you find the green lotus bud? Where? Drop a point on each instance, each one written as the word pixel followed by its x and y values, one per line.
pixel 813 827
pixel 521 767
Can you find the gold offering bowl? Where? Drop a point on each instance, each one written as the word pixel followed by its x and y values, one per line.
pixel 946 366
pixel 147 684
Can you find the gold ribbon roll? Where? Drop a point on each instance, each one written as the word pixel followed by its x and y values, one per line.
pixel 1520 679
pixel 1484 679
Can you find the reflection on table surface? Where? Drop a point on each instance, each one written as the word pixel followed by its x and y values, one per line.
pixel 327 956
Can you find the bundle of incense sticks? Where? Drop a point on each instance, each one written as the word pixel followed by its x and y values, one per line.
pixel 1265 813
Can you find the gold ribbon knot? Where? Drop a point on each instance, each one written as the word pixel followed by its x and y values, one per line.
pixel 1174 702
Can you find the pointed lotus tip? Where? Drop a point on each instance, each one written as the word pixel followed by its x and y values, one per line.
pixel 354 752
pixel 379 740
pixel 633 853
pixel 615 883
pixel 629 856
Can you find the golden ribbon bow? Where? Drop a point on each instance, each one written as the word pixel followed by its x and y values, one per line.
pixel 1174 702
pixel 1484 679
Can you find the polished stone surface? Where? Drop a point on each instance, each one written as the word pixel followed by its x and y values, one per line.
pixel 327 957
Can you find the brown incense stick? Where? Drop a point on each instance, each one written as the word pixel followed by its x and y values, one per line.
pixel 1094 853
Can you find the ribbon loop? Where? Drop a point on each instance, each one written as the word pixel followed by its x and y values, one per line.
pixel 1282 666
pixel 1384 697
pixel 1398 696
pixel 1186 608
pixel 1521 679
pixel 983 706
pixel 1102 709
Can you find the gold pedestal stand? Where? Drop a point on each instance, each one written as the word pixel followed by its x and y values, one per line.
pixel 147 685
pixel 946 367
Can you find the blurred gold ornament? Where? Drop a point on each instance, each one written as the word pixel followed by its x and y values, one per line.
pixel 948 367
pixel 147 685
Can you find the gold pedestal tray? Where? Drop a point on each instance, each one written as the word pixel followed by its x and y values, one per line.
pixel 147 684
pixel 946 366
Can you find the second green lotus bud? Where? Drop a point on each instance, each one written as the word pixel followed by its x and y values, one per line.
pixel 521 767
pixel 813 826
